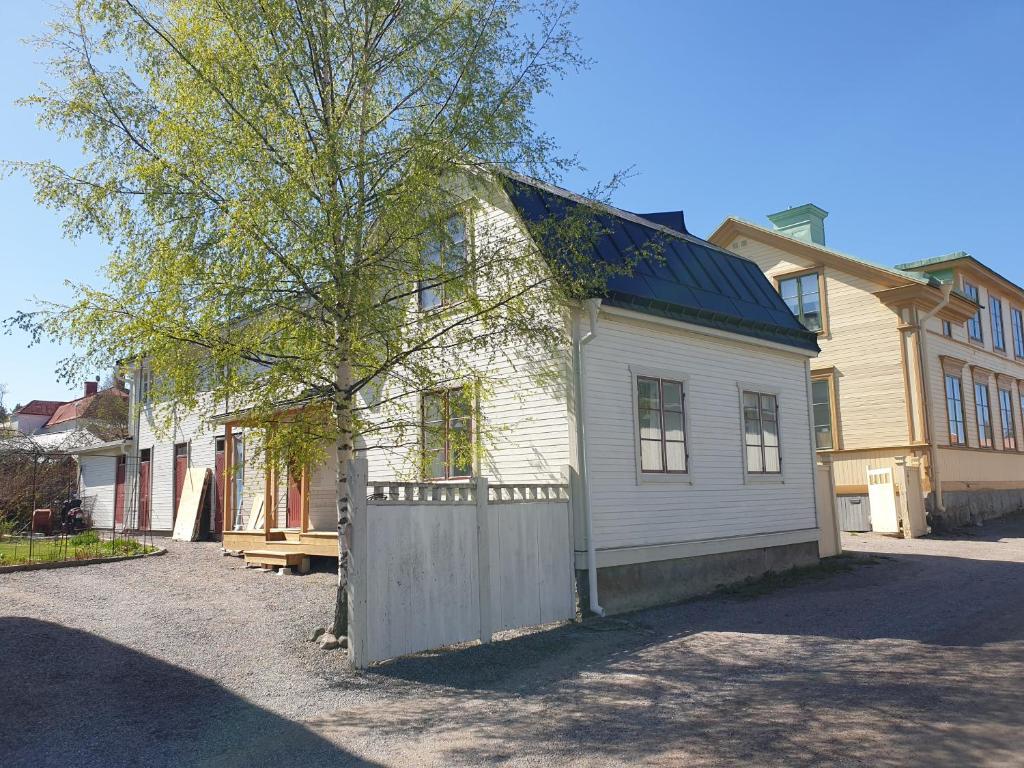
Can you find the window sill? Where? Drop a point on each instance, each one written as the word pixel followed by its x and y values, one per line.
pixel 658 478
pixel 750 479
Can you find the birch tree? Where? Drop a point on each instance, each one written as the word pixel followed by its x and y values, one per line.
pixel 276 181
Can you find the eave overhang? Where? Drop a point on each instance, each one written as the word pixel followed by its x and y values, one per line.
pixel 960 309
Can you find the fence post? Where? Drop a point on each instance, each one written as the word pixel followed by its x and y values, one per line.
pixel 483 559
pixel 357 564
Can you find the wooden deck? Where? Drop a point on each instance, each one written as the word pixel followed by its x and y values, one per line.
pixel 284 541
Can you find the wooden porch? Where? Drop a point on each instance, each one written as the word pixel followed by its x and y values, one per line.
pixel 270 545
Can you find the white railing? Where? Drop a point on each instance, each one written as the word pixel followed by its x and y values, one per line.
pixel 397 492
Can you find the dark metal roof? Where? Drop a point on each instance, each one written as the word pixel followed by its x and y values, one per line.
pixel 690 280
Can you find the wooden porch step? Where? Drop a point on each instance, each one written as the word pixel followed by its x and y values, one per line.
pixel 273 557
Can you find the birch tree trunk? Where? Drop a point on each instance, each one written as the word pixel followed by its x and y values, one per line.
pixel 342 412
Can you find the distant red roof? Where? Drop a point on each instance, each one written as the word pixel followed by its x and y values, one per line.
pixel 39 407
pixel 76 408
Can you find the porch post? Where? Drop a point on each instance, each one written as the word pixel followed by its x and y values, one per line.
pixel 304 500
pixel 269 489
pixel 229 471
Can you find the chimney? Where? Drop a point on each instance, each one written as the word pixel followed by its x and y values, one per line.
pixel 91 387
pixel 671 219
pixel 804 222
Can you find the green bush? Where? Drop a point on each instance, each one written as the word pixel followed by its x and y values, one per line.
pixel 85 539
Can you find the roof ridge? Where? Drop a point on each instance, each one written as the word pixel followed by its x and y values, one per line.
pixel 615 211
pixel 896 270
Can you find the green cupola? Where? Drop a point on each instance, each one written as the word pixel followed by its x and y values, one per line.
pixel 803 222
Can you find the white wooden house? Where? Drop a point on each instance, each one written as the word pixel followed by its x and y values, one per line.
pixel 680 423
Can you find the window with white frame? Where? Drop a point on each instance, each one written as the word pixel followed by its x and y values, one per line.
pixel 802 294
pixel 661 425
pixel 444 264
pixel 447 434
pixel 1006 420
pixel 955 410
pixel 984 412
pixel 974 324
pixel 1017 322
pixel 761 433
pixel 995 310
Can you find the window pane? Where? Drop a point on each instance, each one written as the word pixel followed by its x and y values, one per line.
pixel 771 460
pixel 650 425
pixel 647 394
pixel 430 297
pixel 673 425
pixel 822 415
pixel 823 437
pixel 675 455
pixel 771 433
pixel 650 456
pixel 820 391
pixel 673 393
pixel 809 285
pixel 768 407
pixel 753 432
pixel 788 289
pixel 754 459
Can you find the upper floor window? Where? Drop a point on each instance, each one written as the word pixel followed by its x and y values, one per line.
pixel 145 385
pixel 444 262
pixel 761 433
pixel 1017 322
pixel 447 434
pixel 661 416
pixel 803 296
pixel 824 413
pixel 947 329
pixel 995 310
pixel 1007 421
pixel 984 415
pixel 974 324
pixel 955 410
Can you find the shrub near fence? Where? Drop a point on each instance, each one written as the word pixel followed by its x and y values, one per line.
pixel 23 550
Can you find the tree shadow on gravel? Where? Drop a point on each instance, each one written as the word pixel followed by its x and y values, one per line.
pixel 71 698
pixel 914 661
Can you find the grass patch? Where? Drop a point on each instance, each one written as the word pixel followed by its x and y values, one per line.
pixel 84 546
pixel 792 577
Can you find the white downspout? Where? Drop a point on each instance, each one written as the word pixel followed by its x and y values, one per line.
pixel 933 450
pixel 592 305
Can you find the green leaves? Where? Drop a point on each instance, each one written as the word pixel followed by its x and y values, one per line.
pixel 269 176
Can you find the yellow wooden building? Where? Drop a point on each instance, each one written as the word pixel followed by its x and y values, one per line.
pixel 919 387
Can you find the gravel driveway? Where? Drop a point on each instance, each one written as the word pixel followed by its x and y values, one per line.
pixel 190 659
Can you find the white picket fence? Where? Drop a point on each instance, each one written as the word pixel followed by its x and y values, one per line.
pixel 436 564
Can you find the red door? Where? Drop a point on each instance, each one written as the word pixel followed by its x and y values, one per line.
pixel 218 484
pixel 119 491
pixel 144 490
pixel 180 468
pixel 294 516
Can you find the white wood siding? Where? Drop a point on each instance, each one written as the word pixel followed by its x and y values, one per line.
pixel 97 476
pixel 190 427
pixel 718 503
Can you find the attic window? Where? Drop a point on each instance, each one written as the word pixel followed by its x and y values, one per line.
pixel 803 295
pixel 444 262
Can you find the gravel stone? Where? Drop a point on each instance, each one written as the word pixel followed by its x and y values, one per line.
pixel 190 659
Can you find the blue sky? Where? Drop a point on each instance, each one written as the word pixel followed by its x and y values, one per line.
pixel 903 120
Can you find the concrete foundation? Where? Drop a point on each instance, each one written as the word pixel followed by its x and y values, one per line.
pixel 973 507
pixel 624 588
